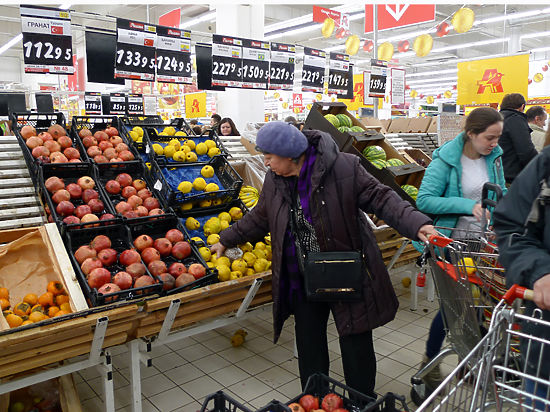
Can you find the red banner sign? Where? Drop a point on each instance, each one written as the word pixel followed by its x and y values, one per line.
pixel 398 15
pixel 297 100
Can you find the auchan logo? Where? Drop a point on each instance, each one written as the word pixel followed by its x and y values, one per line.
pixel 172 32
pixel 491 79
pixel 138 26
pixel 227 40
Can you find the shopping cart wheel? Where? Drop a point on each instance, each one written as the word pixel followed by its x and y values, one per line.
pixel 416 390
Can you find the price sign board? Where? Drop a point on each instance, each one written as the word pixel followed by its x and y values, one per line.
pixel 135 50
pixel 313 72
pixel 281 70
pixel 375 81
pixel 338 73
pixel 47 40
pixel 135 104
pixel 92 103
pixel 174 55
pixel 397 86
pixel 227 61
pixel 255 64
pixel 118 104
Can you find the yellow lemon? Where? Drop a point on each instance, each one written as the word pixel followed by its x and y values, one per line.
pixel 138 130
pixel 205 203
pixel 186 206
pixel 211 187
pixel 225 216
pixel 260 265
pixel 223 272
pixel 190 143
pixel 158 149
pixel 207 171
pixel 249 258
pixel 250 271
pixel 223 260
pixel 210 144
pixel 236 213
pixel 201 149
pixel 180 133
pixel 133 134
pixel 176 143
pixel 205 253
pixel 240 265
pixel 247 247
pixel 260 254
pixel 192 224
pixel 170 131
pixel 179 156
pixel 185 187
pixel 191 157
pixel 169 151
pixel 199 184
pixel 213 152
pixel 469 265
pixel 213 238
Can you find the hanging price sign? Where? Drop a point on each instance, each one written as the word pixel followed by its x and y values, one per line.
pixel 47 41
pixel 338 73
pixel 313 71
pixel 135 50
pixel 281 70
pixel 92 103
pixel 255 65
pixel 118 104
pixel 174 55
pixel 375 81
pixel 226 61
pixel 135 104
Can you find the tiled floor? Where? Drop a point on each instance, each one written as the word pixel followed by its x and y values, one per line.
pixel 184 372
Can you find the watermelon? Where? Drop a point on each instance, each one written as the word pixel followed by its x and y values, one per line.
pixel 344 129
pixel 344 120
pixel 374 153
pixel 395 162
pixel 333 119
pixel 379 163
pixel 410 190
pixel 357 129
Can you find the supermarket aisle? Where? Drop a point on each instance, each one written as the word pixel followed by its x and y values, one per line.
pixel 184 373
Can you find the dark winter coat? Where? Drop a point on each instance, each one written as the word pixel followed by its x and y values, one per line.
pixel 516 143
pixel 526 254
pixel 340 188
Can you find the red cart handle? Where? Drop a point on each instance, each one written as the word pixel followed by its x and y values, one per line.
pixel 517 292
pixel 440 241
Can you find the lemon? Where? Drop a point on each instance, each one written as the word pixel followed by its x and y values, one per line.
pixel 176 143
pixel 247 247
pixel 260 254
pixel 211 187
pixel 186 206
pixel 179 156
pixel 235 275
pixel 205 253
pixel 192 224
pixel 207 171
pixel 201 149
pixel 138 130
pixel 260 265
pixel 186 149
pixel 213 152
pixel 158 149
pixel 250 272
pixel 169 151
pixel 240 265
pixel 133 134
pixel 225 216
pixel 185 186
pixel 223 260
pixel 223 272
pixel 249 258
pixel 170 131
pixel 190 143
pixel 211 144
pixel 191 157
pixel 180 133
pixel 213 238
pixel 224 224
pixel 236 213
pixel 199 184
pixel 205 203
pixel 469 265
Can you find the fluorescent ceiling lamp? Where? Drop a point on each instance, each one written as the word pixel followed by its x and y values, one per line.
pixel 11 43
pixel 540 49
pixel 430 80
pixel 535 35
pixel 407 35
pixel 432 85
pixel 208 16
pixel 433 72
pixel 511 16
pixel 459 46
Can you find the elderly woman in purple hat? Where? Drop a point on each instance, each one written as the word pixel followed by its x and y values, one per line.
pixel 326 190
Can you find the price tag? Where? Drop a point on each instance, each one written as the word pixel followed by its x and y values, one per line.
pixel 158 185
pixel 255 65
pixel 313 71
pixel 397 86
pixel 135 50
pixel 118 104
pixel 47 40
pixel 92 103
pixel 226 61
pixel 135 104
pixel 377 78
pixel 148 150
pixel 339 73
pixel 174 55
pixel 281 70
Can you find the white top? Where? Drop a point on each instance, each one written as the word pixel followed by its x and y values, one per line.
pixel 474 176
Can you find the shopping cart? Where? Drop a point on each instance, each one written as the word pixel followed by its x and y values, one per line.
pixel 492 377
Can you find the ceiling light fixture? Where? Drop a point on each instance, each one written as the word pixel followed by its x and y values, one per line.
pixel 208 16
pixel 433 72
pixel 11 43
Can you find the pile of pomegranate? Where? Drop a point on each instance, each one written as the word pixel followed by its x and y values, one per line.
pixel 138 199
pixel 52 146
pixel 105 146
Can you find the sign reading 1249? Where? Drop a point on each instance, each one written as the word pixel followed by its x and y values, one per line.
pixel 135 50
pixel 47 41
pixel 173 55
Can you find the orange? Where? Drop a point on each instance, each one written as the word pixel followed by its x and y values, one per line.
pixel 60 313
pixel 14 320
pixel 38 308
pixel 52 311
pixel 27 322
pixel 46 299
pixel 4 303
pixel 22 309
pixel 36 317
pixel 56 288
pixel 65 307
pixel 4 293
pixel 31 299
pixel 60 299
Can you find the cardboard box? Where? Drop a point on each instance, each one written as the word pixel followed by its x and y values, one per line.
pixel 251 175
pixel 386 124
pixel 419 124
pixel 371 121
pixel 249 146
pixel 432 128
pixel 399 125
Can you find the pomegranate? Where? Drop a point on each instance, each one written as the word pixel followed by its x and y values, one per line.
pixel 123 207
pixel 134 201
pixel 40 151
pixel 71 153
pixel 52 146
pixel 115 141
pixel 126 156
pixel 75 161
pixel 90 264
pixel 181 250
pixel 124 179
pixel 128 257
pixel 61 195
pixel 71 220
pixel 123 280
pixel 139 184
pixel 43 159
pixel 107 256
pixel 184 279
pixel 176 269
pixel 104 145
pixel 57 131
pixel 53 184
pixel 86 182
pixel 107 289
pixel 168 281
pixel 309 403
pixel 144 193
pixel 33 142
pixel 89 218
pixel 129 191
pixel 106 216
pixel 121 147
pixel 142 242
pixel 45 136
pixel 111 131
pixel 136 270
pixel 296 407
pixel 65 208
pixel 84 252
pixel 151 203
pixel 112 187
pixel 59 158
pixel 156 267
pixel 132 214
pixel 93 151
pixel 89 141
pixel 331 402
pixel 143 281
pixel 89 194
pixel 100 136
pixel 65 142
pixel 174 236
pixel 100 242
pixel 142 211
pixel 27 131
pixel 96 205
pixel 163 245
pixel 101 159
pixel 74 190
pixel 84 133
pixel 82 211
pixel 149 255
pixel 110 153
pixel 197 270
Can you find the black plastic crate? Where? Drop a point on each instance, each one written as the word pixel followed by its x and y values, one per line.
pixel 167 178
pixel 97 123
pixel 129 122
pixel 41 122
pixel 390 402
pixel 320 385
pixel 109 171
pixel 275 406
pixel 157 229
pixel 221 402
pixel 70 173
pixel 120 241
pixel 137 120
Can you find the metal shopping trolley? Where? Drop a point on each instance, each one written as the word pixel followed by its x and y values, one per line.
pixel 493 377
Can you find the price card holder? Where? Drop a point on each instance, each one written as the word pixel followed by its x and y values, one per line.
pixel 281 69
pixel 47 40
pixel 226 61
pixel 92 103
pixel 338 74
pixel 135 53
pixel 135 104
pixel 118 104
pixel 376 79
pixel 313 71
pixel 255 64
pixel 174 55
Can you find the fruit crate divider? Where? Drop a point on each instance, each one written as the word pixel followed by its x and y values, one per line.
pixel 160 227
pixel 136 120
pixel 117 233
pixel 222 403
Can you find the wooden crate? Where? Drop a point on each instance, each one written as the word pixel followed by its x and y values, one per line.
pixel 418 156
pixel 390 247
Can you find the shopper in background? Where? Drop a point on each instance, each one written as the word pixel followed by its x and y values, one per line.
pixel 451 190
pixel 536 117
pixel 197 129
pixel 226 127
pixel 329 189
pixel 524 250
pixel 215 120
pixel 517 147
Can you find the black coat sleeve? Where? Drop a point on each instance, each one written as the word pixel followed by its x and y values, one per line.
pixel 524 254
pixel 520 135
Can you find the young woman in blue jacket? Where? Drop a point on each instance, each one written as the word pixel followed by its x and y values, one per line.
pixel 451 192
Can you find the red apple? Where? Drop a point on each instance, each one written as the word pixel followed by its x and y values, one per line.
pixel 90 264
pixel 113 187
pixel 100 242
pixel 89 194
pixel 107 256
pixel 124 179
pixel 129 191
pixel 136 270
pixel 128 257
pixel 65 208
pixel 181 250
pixel 123 280
pixel 82 210
pixel 74 190
pixel 156 267
pixel 177 269
pixel 163 245
pixel 168 281
pixel 84 252
pixel 149 255
pixel 98 277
